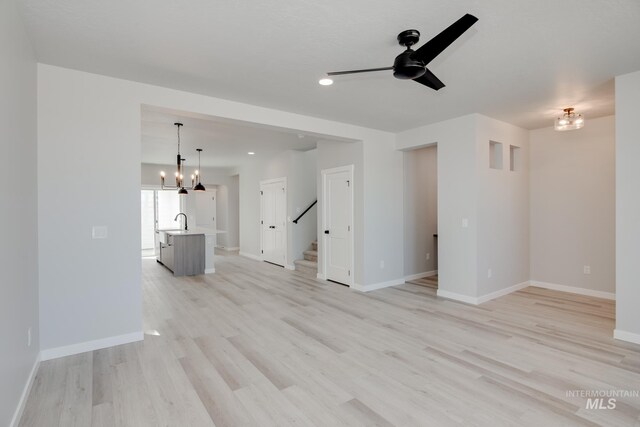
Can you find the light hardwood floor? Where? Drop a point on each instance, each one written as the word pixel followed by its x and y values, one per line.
pixel 254 344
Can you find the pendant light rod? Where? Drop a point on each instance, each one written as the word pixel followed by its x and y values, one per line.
pixel 179 159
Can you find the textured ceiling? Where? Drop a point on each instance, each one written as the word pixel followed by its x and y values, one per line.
pixel 226 143
pixel 522 62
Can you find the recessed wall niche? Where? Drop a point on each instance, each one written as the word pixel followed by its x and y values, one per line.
pixel 514 158
pixel 495 155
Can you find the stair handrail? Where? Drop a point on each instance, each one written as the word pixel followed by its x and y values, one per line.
pixel 295 221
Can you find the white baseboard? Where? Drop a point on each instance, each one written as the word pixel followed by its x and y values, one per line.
pixel 457 297
pixel 25 393
pixel 573 290
pixel 250 256
pixel 374 286
pixel 209 270
pixel 481 299
pixel 290 267
pixel 501 292
pixel 83 347
pixel 626 336
pixel 321 276
pixel 420 275
pixel 224 248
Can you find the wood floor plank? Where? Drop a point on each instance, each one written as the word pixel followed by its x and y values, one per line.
pixel 255 344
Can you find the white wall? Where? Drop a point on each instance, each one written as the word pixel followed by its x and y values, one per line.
pixel 90 289
pixel 627 206
pixel 382 188
pixel 494 205
pixel 503 208
pixel 573 205
pixel 299 169
pixel 19 251
pixel 227 208
pixel 457 190
pixel 232 190
pixel 420 210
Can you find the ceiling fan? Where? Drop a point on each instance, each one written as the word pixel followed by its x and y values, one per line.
pixel 412 64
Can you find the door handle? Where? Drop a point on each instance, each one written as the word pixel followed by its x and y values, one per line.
pixel 326 231
pixel 272 226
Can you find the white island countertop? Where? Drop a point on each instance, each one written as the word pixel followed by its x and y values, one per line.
pixel 193 231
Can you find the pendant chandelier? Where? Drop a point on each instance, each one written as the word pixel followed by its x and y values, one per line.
pixel 180 170
pixel 569 120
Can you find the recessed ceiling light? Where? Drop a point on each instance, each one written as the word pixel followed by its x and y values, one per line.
pixel 251 153
pixel 325 81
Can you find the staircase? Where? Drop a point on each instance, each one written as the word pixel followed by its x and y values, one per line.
pixel 309 265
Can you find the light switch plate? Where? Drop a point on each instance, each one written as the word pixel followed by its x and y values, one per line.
pixel 465 222
pixel 99 232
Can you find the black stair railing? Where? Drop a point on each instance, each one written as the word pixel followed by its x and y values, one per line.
pixel 295 221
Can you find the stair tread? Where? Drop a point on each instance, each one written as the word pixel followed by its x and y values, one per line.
pixel 311 252
pixel 306 263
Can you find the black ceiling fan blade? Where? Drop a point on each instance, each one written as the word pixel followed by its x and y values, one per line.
pixel 429 79
pixel 436 45
pixel 340 73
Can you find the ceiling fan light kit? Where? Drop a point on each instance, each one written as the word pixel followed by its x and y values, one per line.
pixel 179 172
pixel 412 65
pixel 570 120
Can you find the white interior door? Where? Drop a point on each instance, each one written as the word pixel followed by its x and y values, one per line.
pixel 338 224
pixel 273 224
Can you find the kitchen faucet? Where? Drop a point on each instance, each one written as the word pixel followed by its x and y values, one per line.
pixel 186 226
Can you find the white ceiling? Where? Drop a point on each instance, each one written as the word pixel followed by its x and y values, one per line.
pixel 522 62
pixel 225 143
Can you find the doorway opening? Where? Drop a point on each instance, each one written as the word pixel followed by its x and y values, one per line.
pixel 421 216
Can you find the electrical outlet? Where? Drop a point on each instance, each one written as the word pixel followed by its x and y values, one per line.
pixel 586 269
pixel 428 256
pixel 489 273
pixel 465 222
pixel 29 337
pixel 381 264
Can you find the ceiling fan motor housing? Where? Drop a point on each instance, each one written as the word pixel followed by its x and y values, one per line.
pixel 405 67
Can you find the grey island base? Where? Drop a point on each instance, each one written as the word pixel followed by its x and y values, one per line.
pixel 183 254
pixel 187 252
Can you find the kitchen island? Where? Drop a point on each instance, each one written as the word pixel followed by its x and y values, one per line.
pixel 187 252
